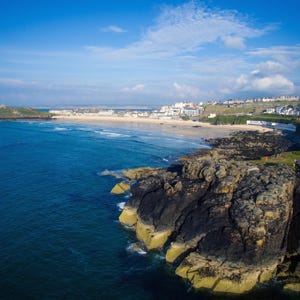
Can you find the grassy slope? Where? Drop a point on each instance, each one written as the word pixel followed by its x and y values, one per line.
pixel 245 108
pixel 238 114
pixel 282 158
pixel 7 112
pixel 227 119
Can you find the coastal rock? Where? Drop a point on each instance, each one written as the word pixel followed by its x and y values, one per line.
pixel 128 216
pixel 137 173
pixel 120 188
pixel 249 145
pixel 289 270
pixel 226 224
pixel 292 287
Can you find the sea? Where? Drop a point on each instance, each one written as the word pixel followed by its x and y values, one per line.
pixel 59 232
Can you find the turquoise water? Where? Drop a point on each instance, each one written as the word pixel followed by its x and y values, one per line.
pixel 60 238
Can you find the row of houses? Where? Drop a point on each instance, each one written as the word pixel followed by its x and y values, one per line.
pixel 287 110
pixel 263 99
pixel 189 109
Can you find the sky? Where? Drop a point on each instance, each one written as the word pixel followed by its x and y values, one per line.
pixel 93 52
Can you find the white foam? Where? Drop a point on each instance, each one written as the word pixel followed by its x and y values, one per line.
pixel 60 128
pixel 107 172
pixel 84 128
pixel 160 256
pixel 111 134
pixel 136 248
pixel 121 205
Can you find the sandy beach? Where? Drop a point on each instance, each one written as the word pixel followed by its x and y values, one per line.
pixel 179 127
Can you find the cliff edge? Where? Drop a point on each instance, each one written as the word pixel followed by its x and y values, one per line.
pixel 224 219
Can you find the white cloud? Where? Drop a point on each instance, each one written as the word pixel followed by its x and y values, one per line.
pixel 184 91
pixel 288 56
pixel 185 29
pixel 268 76
pixel 13 82
pixel 234 42
pixel 133 89
pixel 277 52
pixel 269 67
pixel 242 81
pixel 274 83
pixel 113 28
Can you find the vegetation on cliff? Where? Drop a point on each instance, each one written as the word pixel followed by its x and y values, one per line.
pixel 7 112
pixel 242 119
pixel 225 221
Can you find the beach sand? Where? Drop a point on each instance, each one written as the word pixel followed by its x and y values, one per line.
pixel 178 127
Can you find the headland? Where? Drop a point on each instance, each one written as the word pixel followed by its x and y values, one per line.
pixel 22 113
pixel 227 218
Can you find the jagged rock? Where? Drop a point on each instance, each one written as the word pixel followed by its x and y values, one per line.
pixel 224 222
pixel 252 145
pixel 292 287
pixel 137 173
pixel 289 270
pixel 128 216
pixel 120 188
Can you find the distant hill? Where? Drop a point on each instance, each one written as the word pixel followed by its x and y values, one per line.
pixel 15 113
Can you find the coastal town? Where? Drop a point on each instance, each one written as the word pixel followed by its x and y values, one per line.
pixel 282 105
pixel 267 112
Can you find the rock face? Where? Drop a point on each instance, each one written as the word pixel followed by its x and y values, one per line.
pixel 120 188
pixel 223 222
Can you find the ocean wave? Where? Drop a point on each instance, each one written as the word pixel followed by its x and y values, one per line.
pixel 111 134
pixel 106 172
pixel 60 129
pixel 136 248
pixel 84 129
pixel 159 256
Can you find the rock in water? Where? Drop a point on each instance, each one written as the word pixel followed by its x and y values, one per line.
pixel 120 188
pixel 137 173
pixel 223 222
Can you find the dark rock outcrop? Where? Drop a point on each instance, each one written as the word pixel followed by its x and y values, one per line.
pixel 246 145
pixel 225 222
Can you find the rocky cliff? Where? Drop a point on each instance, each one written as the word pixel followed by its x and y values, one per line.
pixel 226 222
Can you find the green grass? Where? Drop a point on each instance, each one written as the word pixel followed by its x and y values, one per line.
pixel 225 110
pixel 222 120
pixel 7 112
pixel 286 158
pixel 275 118
pixel 232 120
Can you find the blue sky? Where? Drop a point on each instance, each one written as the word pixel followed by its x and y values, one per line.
pixel 147 52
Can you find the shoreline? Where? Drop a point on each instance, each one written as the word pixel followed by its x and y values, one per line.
pixel 179 127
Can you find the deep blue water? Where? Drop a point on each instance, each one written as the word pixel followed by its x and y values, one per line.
pixel 59 234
